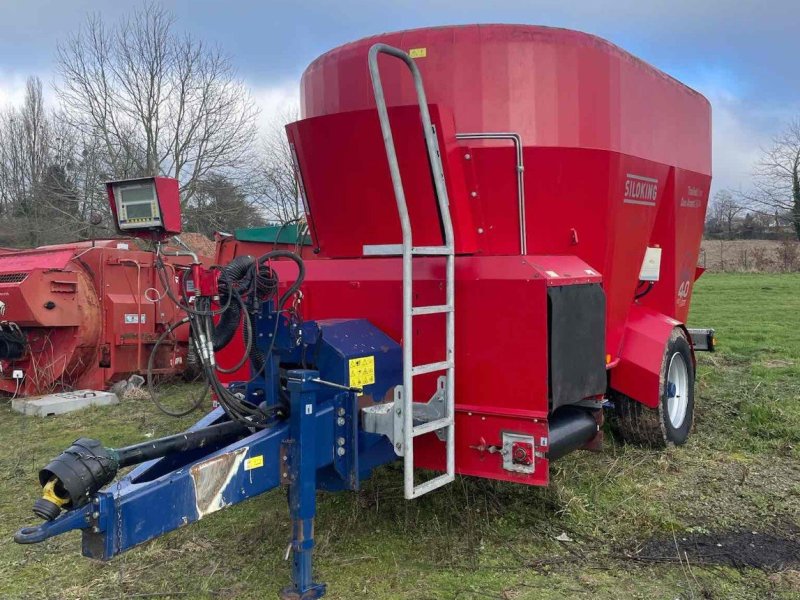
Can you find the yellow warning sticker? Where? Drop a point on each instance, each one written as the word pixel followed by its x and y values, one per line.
pixel 418 52
pixel 254 462
pixel 362 371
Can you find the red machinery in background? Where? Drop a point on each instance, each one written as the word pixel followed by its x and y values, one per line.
pixel 87 314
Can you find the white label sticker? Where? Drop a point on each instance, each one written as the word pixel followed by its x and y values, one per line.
pixel 309 409
pixel 551 273
pixel 134 319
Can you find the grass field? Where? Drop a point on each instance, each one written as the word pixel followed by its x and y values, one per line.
pixel 730 497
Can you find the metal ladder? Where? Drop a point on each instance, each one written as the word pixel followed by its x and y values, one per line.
pixel 404 395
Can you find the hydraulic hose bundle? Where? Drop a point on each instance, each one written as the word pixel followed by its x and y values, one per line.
pixel 241 287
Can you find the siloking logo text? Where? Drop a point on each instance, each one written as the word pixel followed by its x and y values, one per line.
pixel 640 190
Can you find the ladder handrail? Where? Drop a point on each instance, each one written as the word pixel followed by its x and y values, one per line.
pixel 514 137
pixel 388 141
pixel 410 491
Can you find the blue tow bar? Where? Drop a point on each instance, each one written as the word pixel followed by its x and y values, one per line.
pixel 319 446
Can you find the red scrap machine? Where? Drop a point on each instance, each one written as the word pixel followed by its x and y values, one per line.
pixel 505 223
pixel 87 314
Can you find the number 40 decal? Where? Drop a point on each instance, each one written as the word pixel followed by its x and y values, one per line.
pixel 683 289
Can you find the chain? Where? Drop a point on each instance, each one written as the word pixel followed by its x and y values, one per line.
pixel 117 546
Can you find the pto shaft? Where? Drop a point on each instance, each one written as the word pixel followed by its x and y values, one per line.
pixel 73 477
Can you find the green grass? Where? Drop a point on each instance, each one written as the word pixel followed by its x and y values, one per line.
pixel 479 539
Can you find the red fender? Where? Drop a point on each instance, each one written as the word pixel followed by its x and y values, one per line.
pixel 638 372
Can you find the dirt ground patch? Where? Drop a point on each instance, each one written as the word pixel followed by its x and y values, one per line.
pixel 749 256
pixel 771 552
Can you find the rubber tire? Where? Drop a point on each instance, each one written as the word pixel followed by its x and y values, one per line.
pixel 635 423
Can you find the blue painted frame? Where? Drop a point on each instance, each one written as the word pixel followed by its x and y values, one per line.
pixel 320 446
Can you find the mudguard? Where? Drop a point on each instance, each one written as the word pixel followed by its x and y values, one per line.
pixel 638 372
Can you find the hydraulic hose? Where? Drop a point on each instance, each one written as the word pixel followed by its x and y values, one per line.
pixel 301 272
pixel 151 364
pixel 231 275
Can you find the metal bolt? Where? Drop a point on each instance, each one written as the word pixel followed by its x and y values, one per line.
pixel 95 515
pixel 398 445
pixel 467 157
pixel 285 475
pixel 340 451
pixel 95 529
pixel 340 421
pixel 340 441
pixel 474 194
pixel 480 229
pixel 340 412
pixel 96 500
pixel 399 411
pixel 285 458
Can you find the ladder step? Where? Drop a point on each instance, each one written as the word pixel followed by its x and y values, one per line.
pixel 432 484
pixel 431 250
pixel 434 425
pixel 431 310
pixel 431 367
pixel 382 249
pixel 397 250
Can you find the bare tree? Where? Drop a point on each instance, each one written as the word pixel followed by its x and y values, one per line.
pixel 24 143
pixel 50 176
pixel 723 212
pixel 37 191
pixel 220 205
pixel 276 188
pixel 157 101
pixel 777 178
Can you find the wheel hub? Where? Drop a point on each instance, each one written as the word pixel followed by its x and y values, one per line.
pixel 677 389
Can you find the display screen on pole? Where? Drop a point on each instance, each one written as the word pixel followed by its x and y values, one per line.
pixel 146 207
pixel 137 205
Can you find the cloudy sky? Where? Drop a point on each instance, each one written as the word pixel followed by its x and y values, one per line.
pixel 742 54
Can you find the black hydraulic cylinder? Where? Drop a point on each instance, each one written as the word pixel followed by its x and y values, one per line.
pixel 570 428
pixel 188 440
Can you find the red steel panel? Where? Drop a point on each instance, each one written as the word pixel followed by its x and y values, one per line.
pixel 348 191
pixel 501 338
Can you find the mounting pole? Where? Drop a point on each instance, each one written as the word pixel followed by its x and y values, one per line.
pixel 299 471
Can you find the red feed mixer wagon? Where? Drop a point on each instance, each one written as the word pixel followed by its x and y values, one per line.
pixel 577 178
pixel 505 223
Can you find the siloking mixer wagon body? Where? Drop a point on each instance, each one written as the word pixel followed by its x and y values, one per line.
pixel 505 223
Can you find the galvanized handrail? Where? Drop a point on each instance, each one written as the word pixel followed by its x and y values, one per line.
pixel 523 242
pixel 408 251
